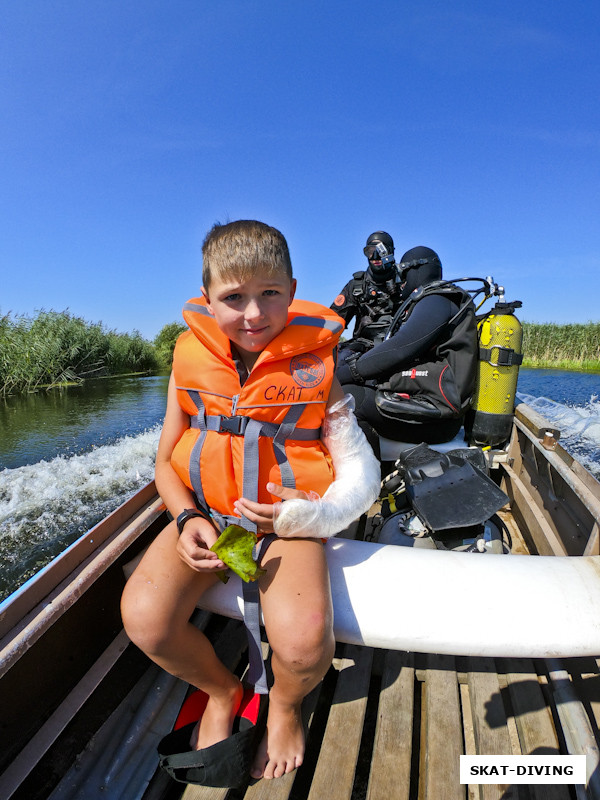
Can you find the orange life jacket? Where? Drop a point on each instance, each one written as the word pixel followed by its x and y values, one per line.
pixel 241 437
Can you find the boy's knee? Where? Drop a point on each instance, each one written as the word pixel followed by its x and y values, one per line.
pixel 141 623
pixel 308 645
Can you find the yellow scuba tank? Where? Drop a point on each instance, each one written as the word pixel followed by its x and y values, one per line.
pixel 489 419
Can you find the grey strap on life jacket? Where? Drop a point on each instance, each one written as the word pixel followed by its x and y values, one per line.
pixel 251 430
pixel 256 665
pixel 286 430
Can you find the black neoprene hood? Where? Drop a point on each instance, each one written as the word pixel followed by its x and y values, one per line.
pixel 420 266
pixel 384 238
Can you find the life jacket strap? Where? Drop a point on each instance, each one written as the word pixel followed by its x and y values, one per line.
pixel 236 425
pixel 251 429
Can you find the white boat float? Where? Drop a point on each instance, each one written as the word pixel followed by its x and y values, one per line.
pixel 402 598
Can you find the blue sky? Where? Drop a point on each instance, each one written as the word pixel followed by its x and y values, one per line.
pixel 128 128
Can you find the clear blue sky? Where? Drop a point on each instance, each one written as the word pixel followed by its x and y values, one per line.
pixel 127 128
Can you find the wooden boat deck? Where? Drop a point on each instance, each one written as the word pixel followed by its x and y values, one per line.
pixel 390 725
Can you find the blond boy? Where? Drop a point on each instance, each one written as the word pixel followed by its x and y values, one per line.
pixel 244 337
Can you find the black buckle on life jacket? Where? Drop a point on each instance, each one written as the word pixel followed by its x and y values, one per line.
pixel 234 425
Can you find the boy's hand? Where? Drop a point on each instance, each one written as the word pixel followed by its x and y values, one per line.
pixel 193 545
pixel 262 513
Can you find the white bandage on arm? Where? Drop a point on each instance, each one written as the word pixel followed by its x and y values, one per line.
pixel 355 488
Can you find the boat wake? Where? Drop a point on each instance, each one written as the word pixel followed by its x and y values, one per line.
pixel 46 506
pixel 579 426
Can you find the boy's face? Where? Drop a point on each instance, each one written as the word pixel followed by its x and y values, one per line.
pixel 252 312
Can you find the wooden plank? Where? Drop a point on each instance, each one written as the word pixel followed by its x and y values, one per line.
pixel 442 736
pixel 469 734
pixel 334 773
pixel 280 788
pixel 592 547
pixel 537 735
pixel 534 422
pixel 390 764
pixel 586 477
pixel 545 539
pixel 489 721
pixel 193 792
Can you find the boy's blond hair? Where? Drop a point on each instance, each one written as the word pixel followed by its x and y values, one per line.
pixel 240 249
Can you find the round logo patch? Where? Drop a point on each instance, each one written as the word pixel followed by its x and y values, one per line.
pixel 307 370
pixel 339 300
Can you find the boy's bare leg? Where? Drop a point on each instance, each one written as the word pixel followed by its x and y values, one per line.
pixel 157 603
pixel 296 603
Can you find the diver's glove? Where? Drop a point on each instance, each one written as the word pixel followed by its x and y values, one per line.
pixel 355 488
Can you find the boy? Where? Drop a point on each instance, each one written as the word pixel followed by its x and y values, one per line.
pixel 251 380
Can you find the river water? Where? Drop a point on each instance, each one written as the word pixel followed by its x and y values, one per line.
pixel 69 457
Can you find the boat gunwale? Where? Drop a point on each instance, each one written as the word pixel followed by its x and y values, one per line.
pixel 19 638
pixel 26 597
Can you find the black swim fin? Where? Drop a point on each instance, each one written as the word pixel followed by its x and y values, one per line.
pixel 447 490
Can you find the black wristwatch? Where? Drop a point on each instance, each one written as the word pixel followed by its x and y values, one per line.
pixel 186 514
pixel 351 363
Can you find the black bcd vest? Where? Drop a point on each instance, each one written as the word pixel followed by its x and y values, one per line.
pixel 440 384
pixel 377 305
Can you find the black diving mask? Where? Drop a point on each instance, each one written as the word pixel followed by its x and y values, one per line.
pixel 375 251
pixel 404 266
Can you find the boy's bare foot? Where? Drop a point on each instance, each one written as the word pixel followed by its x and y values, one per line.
pixel 216 722
pixel 282 747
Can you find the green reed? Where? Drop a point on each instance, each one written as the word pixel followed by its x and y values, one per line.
pixel 573 346
pixel 55 348
pixel 164 342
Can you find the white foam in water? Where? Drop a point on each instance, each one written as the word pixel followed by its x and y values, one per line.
pixel 46 506
pixel 579 427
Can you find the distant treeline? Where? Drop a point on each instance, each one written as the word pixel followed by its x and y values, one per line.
pixel 575 346
pixel 56 348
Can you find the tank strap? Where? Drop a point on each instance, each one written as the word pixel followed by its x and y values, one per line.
pixel 506 357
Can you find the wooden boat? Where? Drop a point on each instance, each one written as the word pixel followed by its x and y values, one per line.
pixel 82 709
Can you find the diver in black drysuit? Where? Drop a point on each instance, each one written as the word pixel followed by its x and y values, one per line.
pixel 420 337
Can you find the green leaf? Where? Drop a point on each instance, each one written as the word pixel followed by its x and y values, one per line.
pixel 234 547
